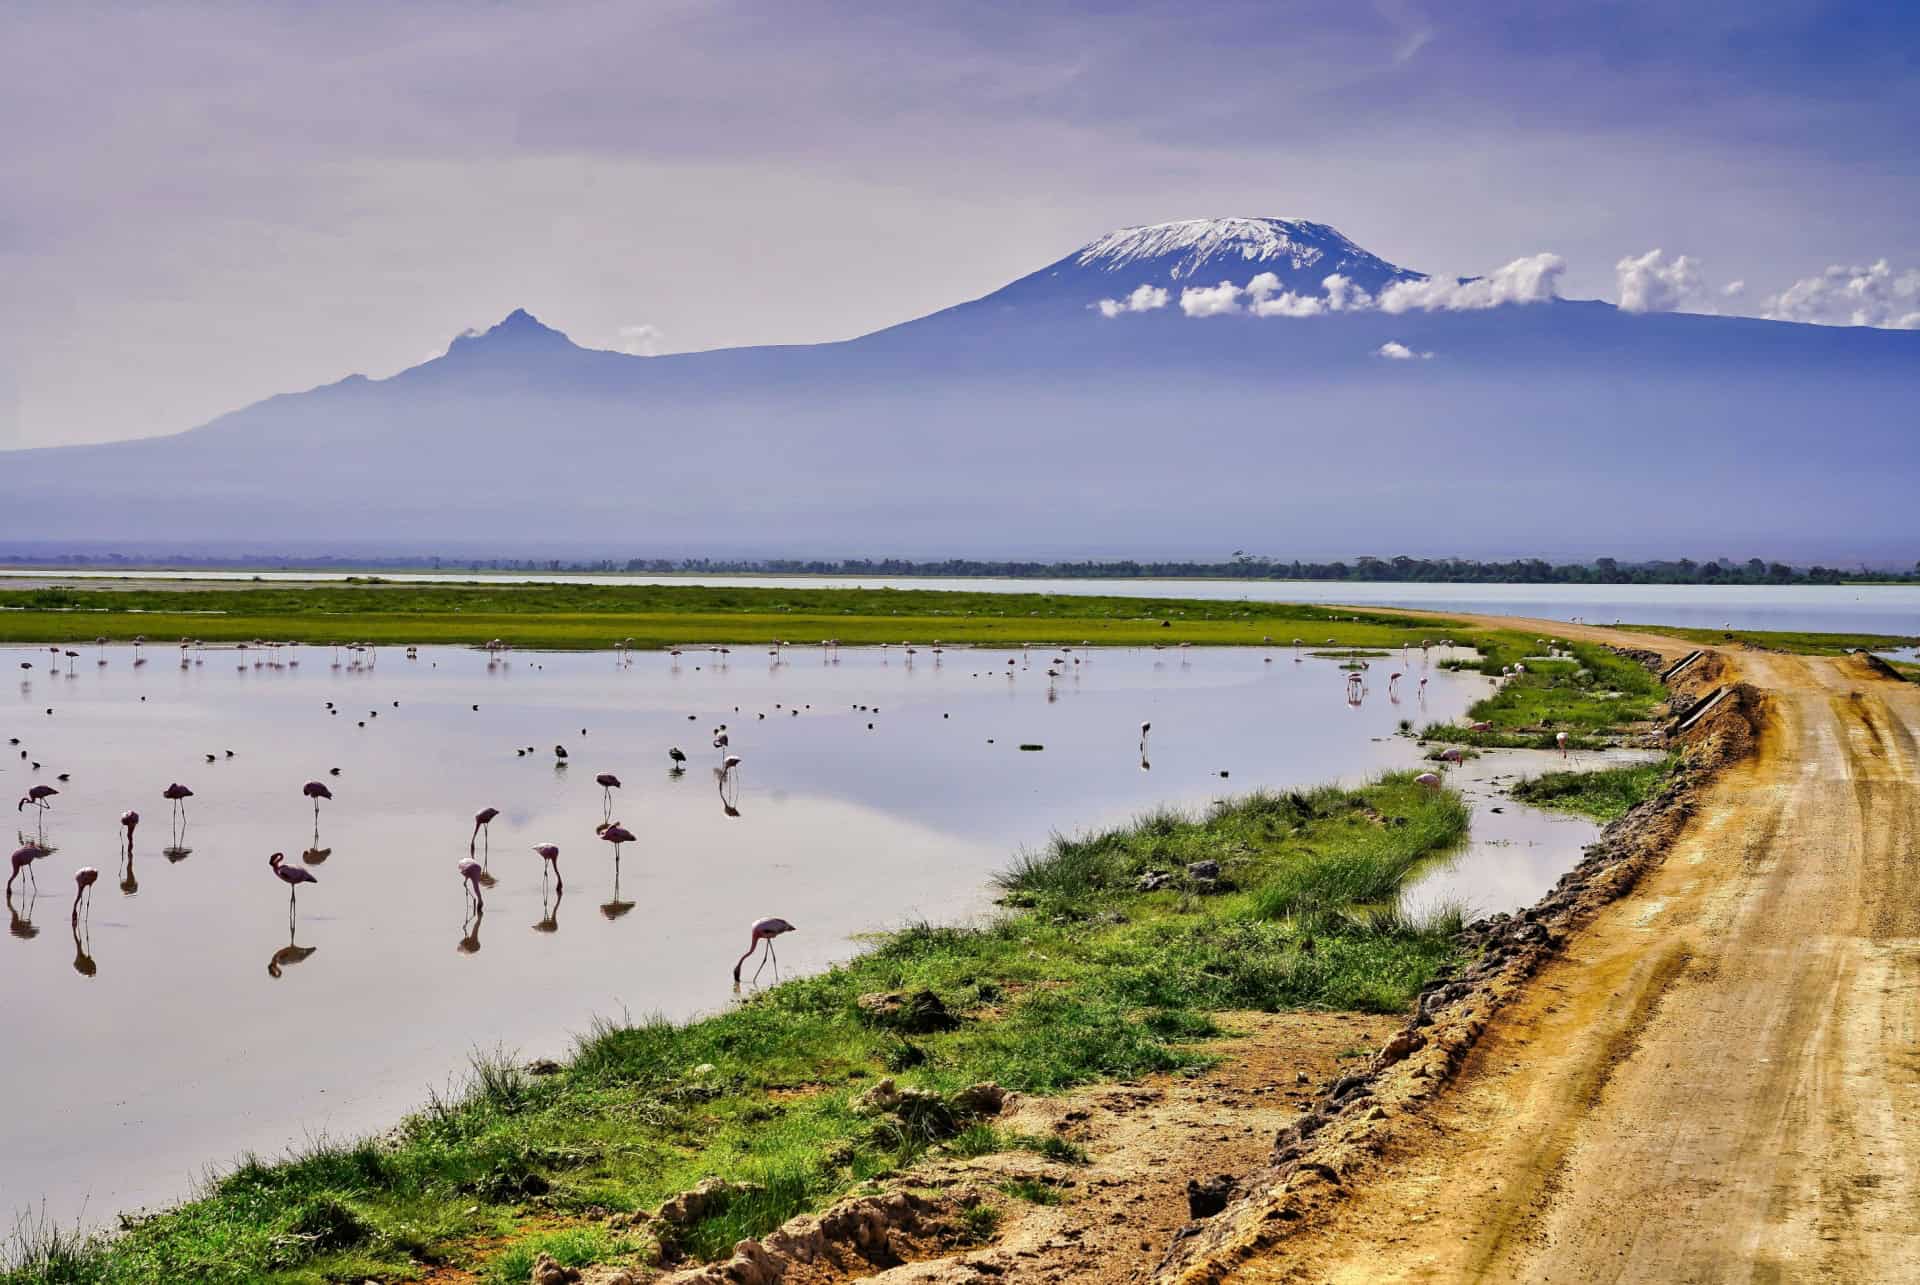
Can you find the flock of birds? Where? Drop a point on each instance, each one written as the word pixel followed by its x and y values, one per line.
pixel 472 869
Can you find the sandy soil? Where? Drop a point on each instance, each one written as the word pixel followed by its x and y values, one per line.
pixel 1718 1078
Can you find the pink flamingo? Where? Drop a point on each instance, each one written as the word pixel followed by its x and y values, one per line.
pixel 471 871
pixel 617 834
pixel 1560 739
pixel 128 820
pixel 179 794
pixel 551 852
pixel 37 796
pixel 1451 754
pixel 316 790
pixel 481 821
pixel 83 881
pixel 764 930
pixel 23 859
pixel 1429 779
pixel 608 783
pixel 292 876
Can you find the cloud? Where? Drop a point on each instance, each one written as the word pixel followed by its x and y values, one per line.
pixel 1733 289
pixel 1534 279
pixel 1654 283
pixel 1344 296
pixel 1211 301
pixel 1144 298
pixel 1843 296
pixel 1269 300
pixel 1394 350
pixel 639 341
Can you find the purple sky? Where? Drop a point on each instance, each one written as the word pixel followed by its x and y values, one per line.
pixel 202 205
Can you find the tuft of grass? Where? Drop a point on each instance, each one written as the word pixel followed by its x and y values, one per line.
pixel 570 1247
pixel 1602 793
pixel 979 1223
pixel 1033 1191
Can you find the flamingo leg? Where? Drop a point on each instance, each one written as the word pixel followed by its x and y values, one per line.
pixel 764 957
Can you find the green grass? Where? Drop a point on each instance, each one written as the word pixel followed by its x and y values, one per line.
pixel 655 616
pixel 1602 793
pixel 1084 980
pixel 1799 641
pixel 1592 696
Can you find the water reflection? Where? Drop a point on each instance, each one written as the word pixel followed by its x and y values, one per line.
pixel 20 916
pixel 550 905
pixel 290 954
pixel 83 943
pixel 470 927
pixel 613 907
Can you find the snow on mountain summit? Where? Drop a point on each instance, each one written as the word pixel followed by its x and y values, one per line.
pixel 1205 251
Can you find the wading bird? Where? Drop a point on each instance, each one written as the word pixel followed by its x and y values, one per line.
pixel 1144 729
pixel 179 794
pixel 292 876
pixel 678 757
pixel 83 880
pixel 1560 739
pixel 764 931
pixel 37 796
pixel 608 783
pixel 550 853
pixel 1429 779
pixel 23 859
pixel 471 871
pixel 481 821
pixel 617 834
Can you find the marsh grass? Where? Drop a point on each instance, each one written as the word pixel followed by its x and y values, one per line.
pixel 1602 793
pixel 1084 980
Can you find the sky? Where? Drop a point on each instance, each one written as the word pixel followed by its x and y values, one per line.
pixel 205 204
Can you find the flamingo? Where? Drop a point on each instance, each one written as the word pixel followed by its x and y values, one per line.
pixel 1144 729
pixel 617 834
pixel 471 871
pixel 481 820
pixel 764 930
pixel 551 853
pixel 83 881
pixel 179 794
pixel 1429 779
pixel 292 876
pixel 1452 754
pixel 1560 739
pixel 316 790
pixel 23 859
pixel 37 796
pixel 608 783
pixel 128 820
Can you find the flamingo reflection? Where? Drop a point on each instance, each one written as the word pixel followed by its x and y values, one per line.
pixel 614 908
pixel 20 918
pixel 470 928
pixel 550 910
pixel 289 954
pixel 82 926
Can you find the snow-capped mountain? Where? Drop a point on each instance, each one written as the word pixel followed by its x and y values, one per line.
pixel 1436 417
pixel 1203 252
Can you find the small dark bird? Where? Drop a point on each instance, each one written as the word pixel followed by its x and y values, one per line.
pixel 559 751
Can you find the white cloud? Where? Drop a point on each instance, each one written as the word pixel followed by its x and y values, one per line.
pixel 1267 299
pixel 1344 296
pixel 1733 289
pixel 1145 298
pixel 1211 301
pixel 1394 350
pixel 1843 296
pixel 1654 283
pixel 1534 279
pixel 639 341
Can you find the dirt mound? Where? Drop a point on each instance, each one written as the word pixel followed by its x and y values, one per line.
pixel 1871 666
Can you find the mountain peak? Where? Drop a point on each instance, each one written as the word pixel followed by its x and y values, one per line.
pixel 1302 254
pixel 518 329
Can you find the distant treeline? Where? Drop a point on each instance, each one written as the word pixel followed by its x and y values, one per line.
pixel 1241 566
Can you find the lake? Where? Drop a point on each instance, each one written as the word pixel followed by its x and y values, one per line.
pixel 184 1019
pixel 1878 609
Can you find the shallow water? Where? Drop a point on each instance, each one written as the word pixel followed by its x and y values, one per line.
pixel 181 1023
pixel 1878 609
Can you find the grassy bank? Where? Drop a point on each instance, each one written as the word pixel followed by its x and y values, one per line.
pixel 1592 694
pixel 1603 793
pixel 1105 964
pixel 583 616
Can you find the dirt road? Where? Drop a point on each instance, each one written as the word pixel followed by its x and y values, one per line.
pixel 1718 1079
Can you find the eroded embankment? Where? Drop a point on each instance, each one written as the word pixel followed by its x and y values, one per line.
pixel 1329 1151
